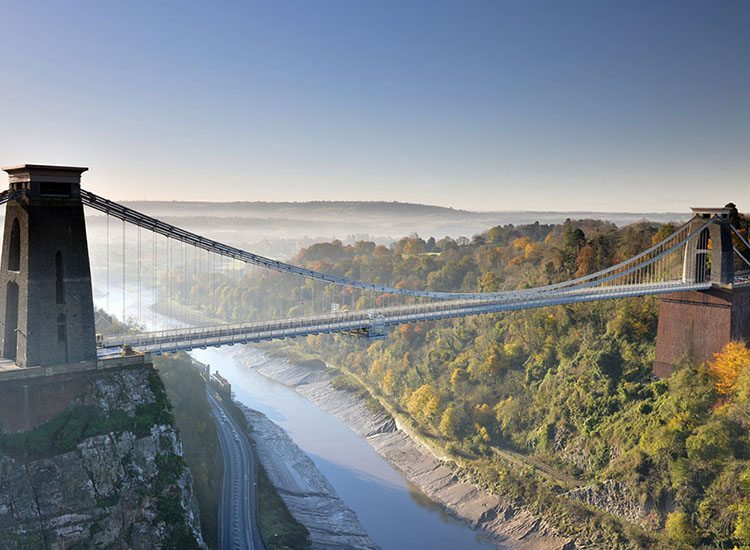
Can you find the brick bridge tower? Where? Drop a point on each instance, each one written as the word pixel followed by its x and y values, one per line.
pixel 46 305
pixel 698 324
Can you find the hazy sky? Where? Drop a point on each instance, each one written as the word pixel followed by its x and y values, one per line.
pixel 559 105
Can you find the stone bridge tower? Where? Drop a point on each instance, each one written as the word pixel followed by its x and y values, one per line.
pixel 698 324
pixel 46 304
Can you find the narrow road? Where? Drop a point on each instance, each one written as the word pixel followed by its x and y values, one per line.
pixel 238 522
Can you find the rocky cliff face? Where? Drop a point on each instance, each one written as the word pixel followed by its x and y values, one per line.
pixel 107 473
pixel 615 498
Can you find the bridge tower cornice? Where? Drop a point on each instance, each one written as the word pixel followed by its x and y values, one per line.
pixel 38 181
pixel 705 213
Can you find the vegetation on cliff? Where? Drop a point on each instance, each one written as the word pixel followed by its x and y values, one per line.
pixel 279 528
pixel 186 398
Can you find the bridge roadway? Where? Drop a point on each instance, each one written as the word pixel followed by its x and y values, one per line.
pixel 238 522
pixel 365 320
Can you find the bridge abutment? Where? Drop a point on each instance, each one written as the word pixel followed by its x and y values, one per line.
pixel 698 324
pixel 33 396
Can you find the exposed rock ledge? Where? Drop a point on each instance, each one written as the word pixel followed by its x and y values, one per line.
pixel 104 493
pixel 307 493
pixel 509 526
pixel 615 498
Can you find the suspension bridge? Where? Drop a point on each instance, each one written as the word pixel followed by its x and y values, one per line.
pixel 155 265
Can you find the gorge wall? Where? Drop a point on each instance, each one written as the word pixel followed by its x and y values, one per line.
pixel 107 471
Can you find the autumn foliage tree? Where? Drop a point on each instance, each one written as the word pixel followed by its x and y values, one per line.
pixel 424 403
pixel 727 366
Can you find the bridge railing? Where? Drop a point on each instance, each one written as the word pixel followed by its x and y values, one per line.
pixel 354 320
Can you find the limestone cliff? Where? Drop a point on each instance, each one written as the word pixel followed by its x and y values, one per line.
pixel 615 498
pixel 107 473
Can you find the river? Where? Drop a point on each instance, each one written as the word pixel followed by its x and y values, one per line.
pixel 396 514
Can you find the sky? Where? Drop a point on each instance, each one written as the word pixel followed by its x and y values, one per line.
pixel 483 105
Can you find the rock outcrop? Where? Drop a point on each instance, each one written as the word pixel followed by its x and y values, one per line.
pixel 615 498
pixel 121 483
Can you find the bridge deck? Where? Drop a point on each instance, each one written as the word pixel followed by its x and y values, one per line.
pixel 363 321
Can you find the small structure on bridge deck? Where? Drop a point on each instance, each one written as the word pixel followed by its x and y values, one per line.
pixel 46 306
pixel 698 324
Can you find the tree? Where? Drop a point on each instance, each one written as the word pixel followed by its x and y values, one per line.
pixel 497 234
pixel 709 442
pixel 432 408
pixel 414 247
pixel 742 521
pixel 364 248
pixel 449 422
pixel 573 241
pixel 388 385
pixel 483 414
pixel 664 231
pixel 734 215
pixel 680 530
pixel 510 415
pixel 459 379
pixel 482 433
pixel 423 403
pixel 727 366
pixel 586 261
pixel 497 361
pixel 609 362
pixel 489 282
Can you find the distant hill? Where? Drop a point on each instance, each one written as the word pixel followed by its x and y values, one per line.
pixel 365 213
pixel 280 229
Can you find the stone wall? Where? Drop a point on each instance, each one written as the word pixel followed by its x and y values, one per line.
pixel 699 324
pixel 32 396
